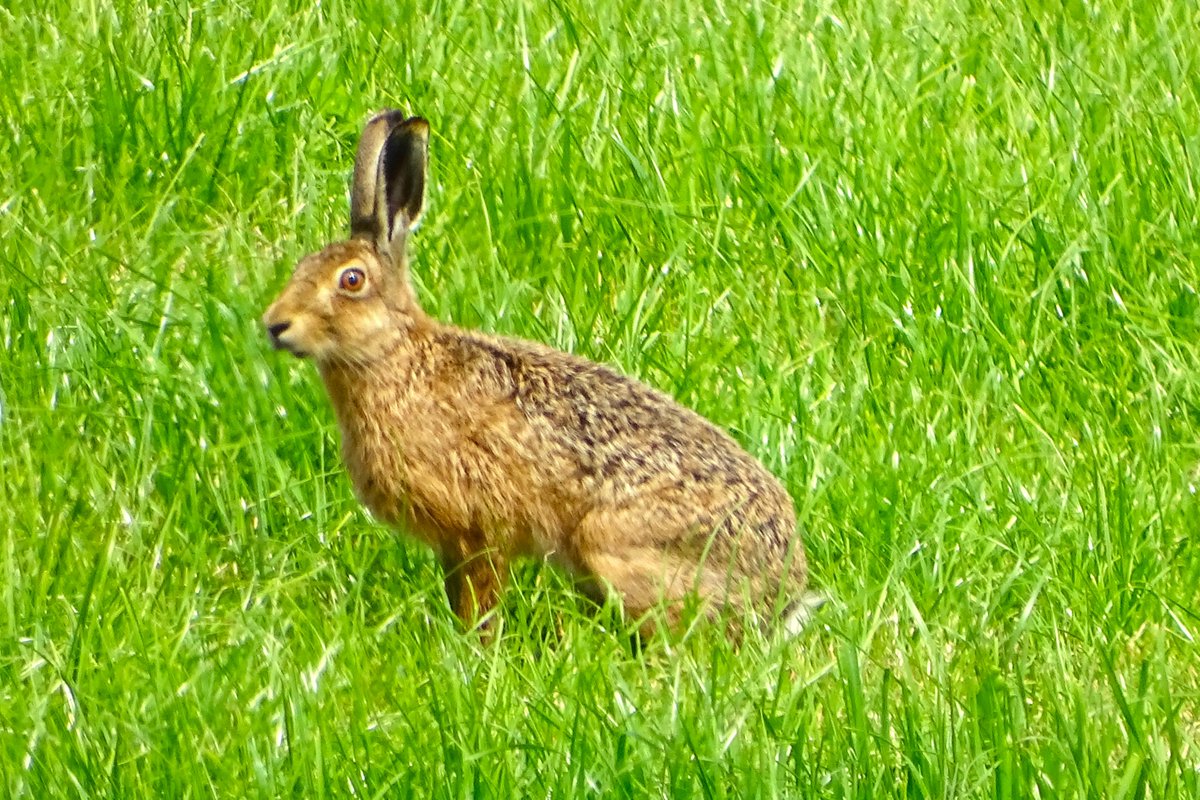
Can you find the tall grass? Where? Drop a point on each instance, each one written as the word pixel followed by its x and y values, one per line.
pixel 933 262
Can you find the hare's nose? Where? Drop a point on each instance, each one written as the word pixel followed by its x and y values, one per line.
pixel 278 328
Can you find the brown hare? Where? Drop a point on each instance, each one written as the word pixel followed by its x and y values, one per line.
pixel 490 448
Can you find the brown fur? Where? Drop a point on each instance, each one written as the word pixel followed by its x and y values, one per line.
pixel 489 448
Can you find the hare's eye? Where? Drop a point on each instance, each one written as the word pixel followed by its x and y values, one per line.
pixel 352 280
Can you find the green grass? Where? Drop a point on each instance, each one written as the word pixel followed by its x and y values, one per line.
pixel 934 262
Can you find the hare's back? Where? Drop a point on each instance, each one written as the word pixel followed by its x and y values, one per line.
pixel 620 436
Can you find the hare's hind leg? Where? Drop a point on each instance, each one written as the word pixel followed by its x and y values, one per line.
pixel 628 553
pixel 643 581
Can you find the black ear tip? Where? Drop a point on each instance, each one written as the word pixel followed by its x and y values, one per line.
pixel 415 126
pixel 392 115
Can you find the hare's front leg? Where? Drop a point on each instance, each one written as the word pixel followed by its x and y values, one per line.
pixel 473 584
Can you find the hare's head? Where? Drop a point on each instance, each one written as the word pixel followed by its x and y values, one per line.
pixel 352 300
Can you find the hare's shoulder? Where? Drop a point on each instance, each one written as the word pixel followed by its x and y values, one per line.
pixel 545 381
pixel 609 419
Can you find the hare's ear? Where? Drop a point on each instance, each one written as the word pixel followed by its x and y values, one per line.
pixel 364 216
pixel 401 190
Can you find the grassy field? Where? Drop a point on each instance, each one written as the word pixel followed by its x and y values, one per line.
pixel 934 262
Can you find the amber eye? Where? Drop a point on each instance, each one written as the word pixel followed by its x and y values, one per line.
pixel 352 280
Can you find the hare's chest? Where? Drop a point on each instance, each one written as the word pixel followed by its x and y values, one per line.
pixel 400 485
pixel 378 473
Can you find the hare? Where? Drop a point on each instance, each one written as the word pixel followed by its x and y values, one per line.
pixel 491 448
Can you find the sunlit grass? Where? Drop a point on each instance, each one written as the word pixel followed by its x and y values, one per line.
pixel 934 263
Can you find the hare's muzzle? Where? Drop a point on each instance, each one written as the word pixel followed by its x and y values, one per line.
pixel 276 330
